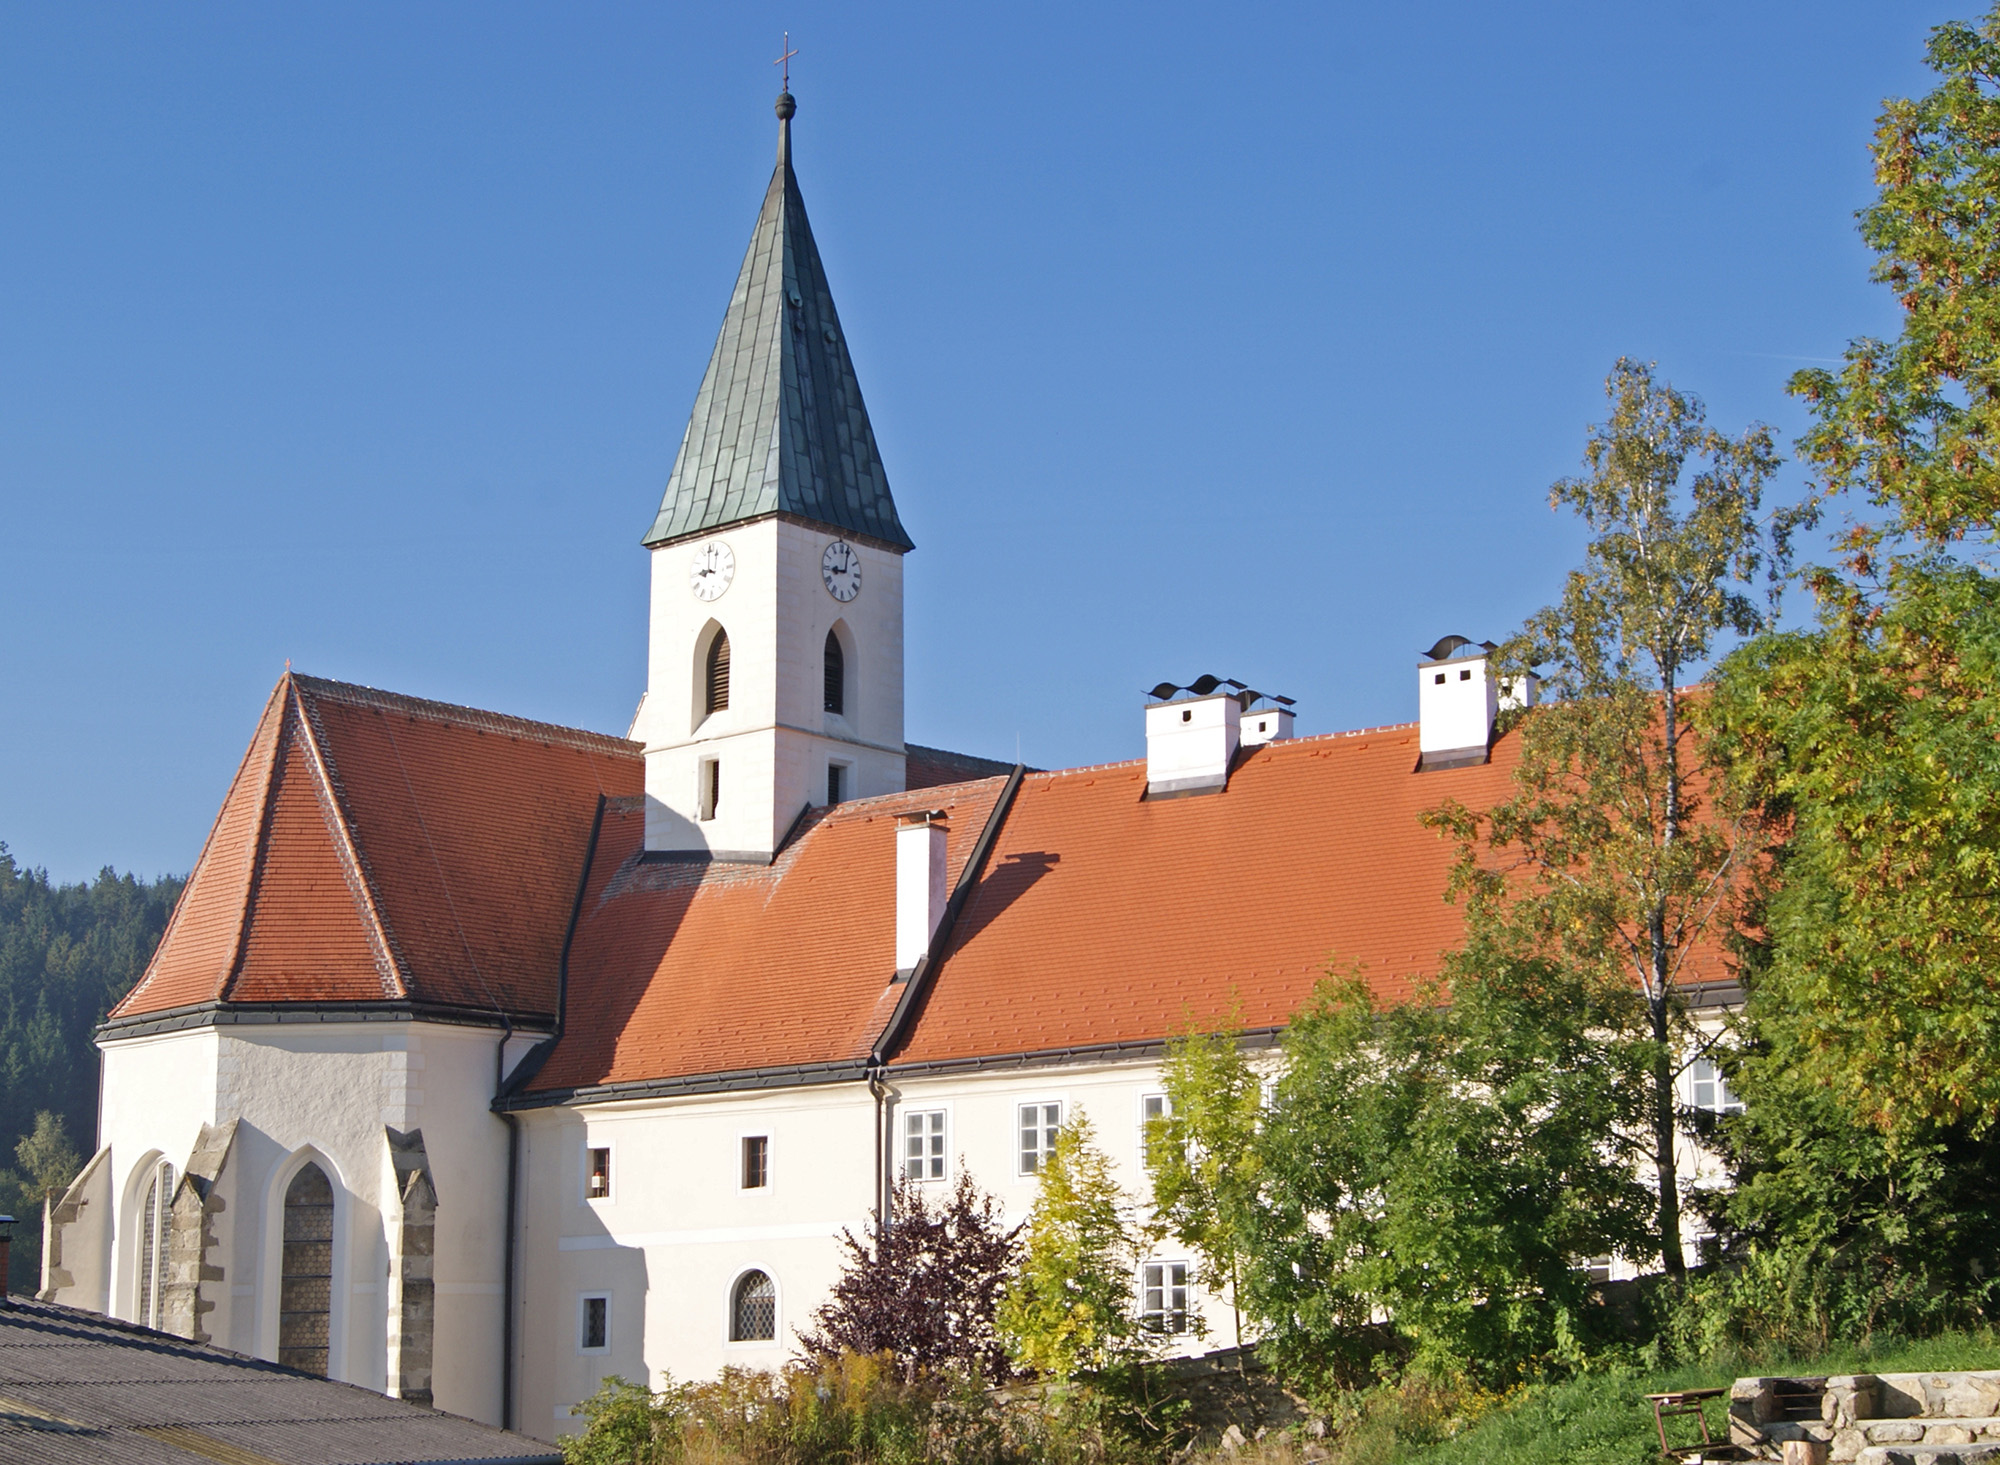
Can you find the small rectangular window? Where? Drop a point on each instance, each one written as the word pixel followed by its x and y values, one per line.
pixel 923 1144
pixel 597 1185
pixel 1710 1090
pixel 1039 1123
pixel 1465 676
pixel 836 777
pixel 711 787
pixel 1163 1307
pixel 1438 680
pixel 595 1334
pixel 756 1161
pixel 1597 1269
pixel 1151 1107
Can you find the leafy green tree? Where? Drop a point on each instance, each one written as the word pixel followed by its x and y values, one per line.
pixel 1874 733
pixel 1202 1154
pixel 1432 1171
pixel 1608 860
pixel 1069 1308
pixel 1834 1230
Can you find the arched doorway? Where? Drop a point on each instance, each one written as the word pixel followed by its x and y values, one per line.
pixel 305 1295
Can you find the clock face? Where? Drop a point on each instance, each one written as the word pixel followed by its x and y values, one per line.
pixel 713 568
pixel 840 567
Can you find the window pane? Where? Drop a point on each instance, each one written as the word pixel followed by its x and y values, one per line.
pixel 756 1162
pixel 755 1316
pixel 596 1322
pixel 600 1174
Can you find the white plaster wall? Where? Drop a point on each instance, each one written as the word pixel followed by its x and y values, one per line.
pixel 157 1093
pixel 678 1230
pixel 775 739
pixel 325 1091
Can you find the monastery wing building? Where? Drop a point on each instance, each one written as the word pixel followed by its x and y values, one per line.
pixel 484 1058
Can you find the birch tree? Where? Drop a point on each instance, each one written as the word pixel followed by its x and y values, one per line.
pixel 1611 855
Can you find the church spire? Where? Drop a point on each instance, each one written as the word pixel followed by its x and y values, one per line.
pixel 779 426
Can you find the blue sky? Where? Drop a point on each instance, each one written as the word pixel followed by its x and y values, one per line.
pixel 1197 338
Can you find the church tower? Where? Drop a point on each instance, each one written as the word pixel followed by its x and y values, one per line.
pixel 775 663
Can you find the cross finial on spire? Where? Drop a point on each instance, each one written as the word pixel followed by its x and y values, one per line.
pixel 786 62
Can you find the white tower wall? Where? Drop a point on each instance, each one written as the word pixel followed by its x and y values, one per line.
pixel 774 742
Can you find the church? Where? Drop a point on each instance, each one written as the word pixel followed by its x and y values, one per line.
pixel 484 1059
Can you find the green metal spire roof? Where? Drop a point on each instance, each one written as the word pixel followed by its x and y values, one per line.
pixel 778 426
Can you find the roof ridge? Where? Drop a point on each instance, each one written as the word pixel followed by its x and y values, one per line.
pixel 259 794
pixel 326 782
pixel 928 791
pixel 1276 743
pixel 480 719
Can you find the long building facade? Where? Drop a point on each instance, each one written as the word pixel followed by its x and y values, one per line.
pixel 485 1059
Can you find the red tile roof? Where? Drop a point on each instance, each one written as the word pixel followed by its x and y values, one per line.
pixel 376 846
pixel 1103 918
pixel 380 847
pixel 681 967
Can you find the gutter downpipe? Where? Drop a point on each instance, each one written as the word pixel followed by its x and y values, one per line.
pixel 527 1067
pixel 916 983
pixel 507 1249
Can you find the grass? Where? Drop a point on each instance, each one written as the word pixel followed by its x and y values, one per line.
pixel 1602 1418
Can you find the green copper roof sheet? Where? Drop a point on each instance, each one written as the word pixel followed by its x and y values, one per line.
pixel 779 426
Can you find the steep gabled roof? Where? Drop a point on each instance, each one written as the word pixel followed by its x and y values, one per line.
pixel 379 848
pixel 779 426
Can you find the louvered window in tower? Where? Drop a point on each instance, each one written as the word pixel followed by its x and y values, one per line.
pixel 836 676
pixel 305 1285
pixel 718 672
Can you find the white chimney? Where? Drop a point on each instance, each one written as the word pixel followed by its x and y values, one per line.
pixel 1266 725
pixel 1458 700
pixel 1190 744
pixel 919 885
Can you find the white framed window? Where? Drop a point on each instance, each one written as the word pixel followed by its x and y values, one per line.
pixel 1596 1268
pixel 756 1161
pixel 597 1172
pixel 710 795
pixel 1163 1297
pixel 753 1309
pixel 1038 1125
pixel 924 1144
pixel 1709 1090
pixel 593 1323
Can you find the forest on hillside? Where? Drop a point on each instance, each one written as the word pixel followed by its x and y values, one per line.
pixel 67 953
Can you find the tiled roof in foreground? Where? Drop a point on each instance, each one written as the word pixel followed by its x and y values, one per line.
pixel 78 1387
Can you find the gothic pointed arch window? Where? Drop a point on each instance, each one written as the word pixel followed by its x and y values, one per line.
pixel 305 1290
pixel 835 661
pixel 716 673
pixel 753 1309
pixel 155 1229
